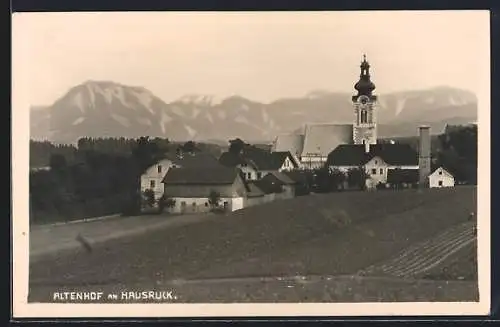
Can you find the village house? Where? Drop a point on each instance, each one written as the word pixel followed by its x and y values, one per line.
pixel 272 190
pixel 377 160
pixel 255 196
pixel 152 177
pixel 256 163
pixel 441 177
pixel 191 189
pixel 286 184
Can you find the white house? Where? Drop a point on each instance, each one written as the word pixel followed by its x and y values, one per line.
pixel 441 178
pixel 190 188
pixel 376 159
pixel 152 177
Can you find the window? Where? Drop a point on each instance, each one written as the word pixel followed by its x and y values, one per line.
pixel 440 183
pixel 440 172
pixel 259 175
pixel 183 203
pixel 194 204
pixel 249 175
pixel 206 204
pixel 159 168
pixel 152 184
pixel 374 171
pixel 364 117
pixel 381 171
pixel 376 161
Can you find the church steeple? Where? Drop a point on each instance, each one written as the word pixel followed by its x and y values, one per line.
pixel 364 86
pixel 365 103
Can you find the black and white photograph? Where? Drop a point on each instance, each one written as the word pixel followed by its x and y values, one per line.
pixel 251 163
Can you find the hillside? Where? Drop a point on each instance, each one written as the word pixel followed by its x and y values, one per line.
pixel 319 235
pixel 109 109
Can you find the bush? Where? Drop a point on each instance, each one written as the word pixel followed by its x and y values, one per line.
pixel 165 202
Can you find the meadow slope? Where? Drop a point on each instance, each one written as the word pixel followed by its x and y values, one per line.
pixel 318 235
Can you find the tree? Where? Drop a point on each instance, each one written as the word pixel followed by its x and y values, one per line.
pixel 356 178
pixel 236 146
pixel 337 179
pixel 165 202
pixel 58 163
pixel 149 198
pixel 189 147
pixel 459 152
pixel 214 199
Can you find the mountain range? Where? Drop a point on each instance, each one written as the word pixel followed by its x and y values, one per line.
pixel 110 109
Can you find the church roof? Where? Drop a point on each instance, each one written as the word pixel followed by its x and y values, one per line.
pixel 289 142
pixel 321 139
pixel 355 155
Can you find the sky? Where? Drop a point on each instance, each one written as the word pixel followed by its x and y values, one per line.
pixel 261 55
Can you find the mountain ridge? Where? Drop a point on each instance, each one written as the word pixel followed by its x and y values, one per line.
pixel 111 109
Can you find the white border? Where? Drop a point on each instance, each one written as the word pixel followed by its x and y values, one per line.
pixel 20 191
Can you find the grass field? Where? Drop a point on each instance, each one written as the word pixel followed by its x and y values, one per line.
pixel 319 235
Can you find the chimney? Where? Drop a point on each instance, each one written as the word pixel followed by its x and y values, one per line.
pixel 424 154
pixel 367 146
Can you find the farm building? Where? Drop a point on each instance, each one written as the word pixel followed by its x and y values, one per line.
pixel 286 184
pixel 191 188
pixel 152 177
pixel 377 160
pixel 441 177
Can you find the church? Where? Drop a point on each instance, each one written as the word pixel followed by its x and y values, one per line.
pixel 348 146
pixel 313 143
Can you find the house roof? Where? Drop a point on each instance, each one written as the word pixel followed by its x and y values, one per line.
pixel 268 186
pixel 254 190
pixel 289 142
pixel 282 177
pixel 195 176
pixel 446 171
pixel 258 158
pixel 297 175
pixel 402 175
pixel 321 139
pixel 355 155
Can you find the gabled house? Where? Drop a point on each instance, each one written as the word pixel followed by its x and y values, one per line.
pixel 376 160
pixel 287 184
pixel 255 195
pixel 255 163
pixel 152 177
pixel 190 188
pixel 441 177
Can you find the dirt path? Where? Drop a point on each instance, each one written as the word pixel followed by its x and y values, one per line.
pixel 45 240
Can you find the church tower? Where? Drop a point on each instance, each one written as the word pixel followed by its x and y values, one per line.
pixel 364 103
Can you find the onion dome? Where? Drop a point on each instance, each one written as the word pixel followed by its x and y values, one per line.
pixel 364 86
